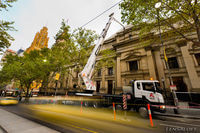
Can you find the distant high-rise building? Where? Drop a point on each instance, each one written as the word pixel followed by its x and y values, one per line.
pixel 40 40
pixel 20 52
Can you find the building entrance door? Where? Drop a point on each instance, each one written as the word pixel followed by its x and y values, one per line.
pixel 110 86
pixel 98 86
pixel 180 84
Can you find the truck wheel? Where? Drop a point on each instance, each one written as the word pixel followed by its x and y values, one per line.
pixel 95 105
pixel 86 104
pixel 118 107
pixel 143 112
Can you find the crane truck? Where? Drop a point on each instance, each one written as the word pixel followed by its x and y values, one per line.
pixel 138 94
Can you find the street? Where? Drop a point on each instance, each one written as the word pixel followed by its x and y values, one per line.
pixel 63 122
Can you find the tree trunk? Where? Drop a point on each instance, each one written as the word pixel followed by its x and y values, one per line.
pixel 198 33
pixel 197 25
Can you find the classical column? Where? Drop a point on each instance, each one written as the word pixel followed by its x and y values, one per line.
pixel 160 67
pixel 190 67
pixel 118 73
pixel 103 78
pixel 151 67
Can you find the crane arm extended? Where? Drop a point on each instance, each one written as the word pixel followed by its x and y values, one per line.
pixel 89 67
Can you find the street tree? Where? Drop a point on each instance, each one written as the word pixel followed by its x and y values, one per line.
pixel 5 26
pixel 73 48
pixel 25 69
pixel 177 17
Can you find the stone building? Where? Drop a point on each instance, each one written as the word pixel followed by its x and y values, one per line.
pixel 139 60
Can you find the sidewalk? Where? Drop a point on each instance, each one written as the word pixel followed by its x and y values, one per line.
pixel 183 113
pixel 12 123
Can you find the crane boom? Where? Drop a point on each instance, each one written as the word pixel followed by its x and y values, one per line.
pixel 86 74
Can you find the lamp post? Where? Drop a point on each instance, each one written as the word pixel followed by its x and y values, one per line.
pixel 45 88
pixel 157 6
pixel 163 82
pixel 45 60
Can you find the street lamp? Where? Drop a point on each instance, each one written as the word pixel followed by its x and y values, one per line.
pixel 157 6
pixel 45 60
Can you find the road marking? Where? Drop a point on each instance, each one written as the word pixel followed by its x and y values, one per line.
pixel 170 125
pixel 185 124
pixel 82 128
pixel 67 124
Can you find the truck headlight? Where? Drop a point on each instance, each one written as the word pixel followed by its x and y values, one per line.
pixel 162 107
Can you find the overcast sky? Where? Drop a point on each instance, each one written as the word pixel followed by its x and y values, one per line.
pixel 31 15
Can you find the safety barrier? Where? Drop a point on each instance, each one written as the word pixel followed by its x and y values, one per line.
pixel 114 112
pixel 150 116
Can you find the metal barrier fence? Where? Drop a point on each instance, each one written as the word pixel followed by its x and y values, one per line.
pixel 191 98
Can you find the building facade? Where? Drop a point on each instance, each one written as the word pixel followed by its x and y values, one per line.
pixel 137 59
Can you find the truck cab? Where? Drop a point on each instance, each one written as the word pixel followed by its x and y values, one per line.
pixel 145 92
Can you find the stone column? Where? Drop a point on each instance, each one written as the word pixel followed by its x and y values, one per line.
pixel 151 66
pixel 160 66
pixel 103 77
pixel 190 67
pixel 118 73
pixel 70 85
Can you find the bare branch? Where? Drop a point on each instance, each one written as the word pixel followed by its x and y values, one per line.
pixel 176 30
pixel 179 13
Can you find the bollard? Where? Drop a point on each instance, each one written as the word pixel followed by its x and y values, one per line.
pixel 114 111
pixel 125 104
pixel 150 117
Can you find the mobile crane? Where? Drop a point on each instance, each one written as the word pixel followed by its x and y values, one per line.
pixel 86 74
pixel 139 93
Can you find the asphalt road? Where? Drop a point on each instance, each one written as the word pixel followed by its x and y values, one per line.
pixel 69 123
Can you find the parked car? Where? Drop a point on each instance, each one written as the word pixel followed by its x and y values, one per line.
pixel 8 101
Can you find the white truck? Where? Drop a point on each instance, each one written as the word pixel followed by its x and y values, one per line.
pixel 139 93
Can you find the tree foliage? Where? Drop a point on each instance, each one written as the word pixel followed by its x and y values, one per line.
pixel 26 69
pixel 73 48
pixel 5 26
pixel 71 51
pixel 176 16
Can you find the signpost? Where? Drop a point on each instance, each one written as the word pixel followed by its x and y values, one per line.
pixel 173 87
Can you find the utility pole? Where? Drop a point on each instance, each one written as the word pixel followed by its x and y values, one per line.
pixel 157 6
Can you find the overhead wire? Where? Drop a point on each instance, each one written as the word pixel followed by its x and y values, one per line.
pixel 101 13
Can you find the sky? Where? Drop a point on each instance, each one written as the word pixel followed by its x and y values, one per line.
pixel 31 15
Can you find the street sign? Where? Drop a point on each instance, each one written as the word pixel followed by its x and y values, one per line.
pixel 173 87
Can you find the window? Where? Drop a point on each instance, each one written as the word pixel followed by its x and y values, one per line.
pixel 197 56
pixel 148 86
pixel 138 86
pixel 173 63
pixel 133 65
pixel 110 71
pixel 110 86
pixel 99 72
